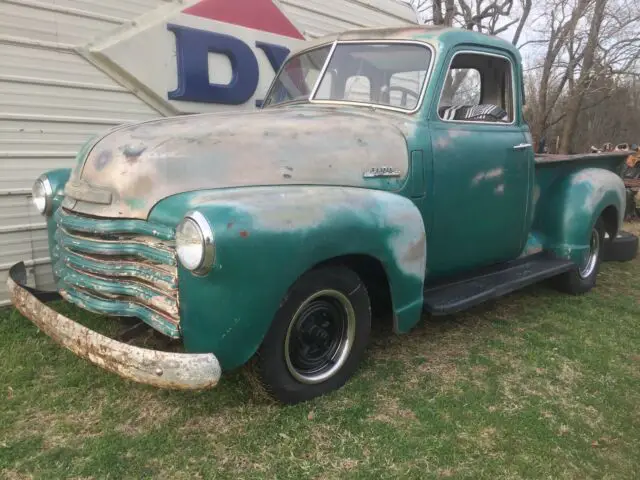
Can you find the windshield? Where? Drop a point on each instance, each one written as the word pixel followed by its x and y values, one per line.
pixel 298 77
pixel 381 74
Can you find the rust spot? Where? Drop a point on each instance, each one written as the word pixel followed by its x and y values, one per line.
pixel 179 371
pixel 244 233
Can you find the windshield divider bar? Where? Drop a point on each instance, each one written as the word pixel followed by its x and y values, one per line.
pixel 322 72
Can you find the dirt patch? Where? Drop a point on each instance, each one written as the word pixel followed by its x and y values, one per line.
pixel 633 227
pixel 390 412
pixel 13 475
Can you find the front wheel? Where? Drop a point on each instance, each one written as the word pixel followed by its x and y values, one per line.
pixel 317 337
pixel 583 277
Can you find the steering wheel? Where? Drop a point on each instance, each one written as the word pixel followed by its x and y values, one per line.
pixel 405 92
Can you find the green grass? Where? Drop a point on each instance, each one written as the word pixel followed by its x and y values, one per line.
pixel 537 385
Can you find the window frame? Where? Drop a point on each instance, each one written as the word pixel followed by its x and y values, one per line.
pixel 331 45
pixel 311 99
pixel 513 88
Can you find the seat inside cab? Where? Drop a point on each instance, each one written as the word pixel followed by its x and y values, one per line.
pixel 478 88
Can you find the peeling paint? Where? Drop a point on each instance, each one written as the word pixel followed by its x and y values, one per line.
pixel 180 371
pixel 310 208
pixel 602 182
pixel 154 160
pixel 488 175
pixel 113 269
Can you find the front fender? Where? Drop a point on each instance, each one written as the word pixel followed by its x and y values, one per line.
pixel 266 237
pixel 570 207
pixel 58 179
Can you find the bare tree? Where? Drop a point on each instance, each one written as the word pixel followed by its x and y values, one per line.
pixel 493 17
pixel 560 23
pixel 589 56
pixel 584 50
pixel 581 55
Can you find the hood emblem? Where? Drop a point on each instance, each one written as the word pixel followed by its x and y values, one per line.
pixel 375 172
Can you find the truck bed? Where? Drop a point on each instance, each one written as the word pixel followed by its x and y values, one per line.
pixel 543 158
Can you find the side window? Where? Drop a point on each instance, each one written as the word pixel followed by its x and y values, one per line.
pixel 478 87
pixel 463 86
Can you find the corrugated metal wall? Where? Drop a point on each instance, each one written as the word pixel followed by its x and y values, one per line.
pixel 52 99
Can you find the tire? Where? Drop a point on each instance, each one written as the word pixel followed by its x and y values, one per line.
pixel 317 338
pixel 623 248
pixel 583 277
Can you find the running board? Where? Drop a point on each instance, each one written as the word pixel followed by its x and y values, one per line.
pixel 464 293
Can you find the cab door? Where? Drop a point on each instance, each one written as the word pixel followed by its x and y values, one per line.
pixel 481 160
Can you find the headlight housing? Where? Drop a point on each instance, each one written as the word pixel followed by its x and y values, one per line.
pixel 42 195
pixel 195 243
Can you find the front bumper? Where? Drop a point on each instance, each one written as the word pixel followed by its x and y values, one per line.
pixel 182 371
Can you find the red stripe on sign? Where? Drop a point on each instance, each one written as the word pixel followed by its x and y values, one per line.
pixel 257 14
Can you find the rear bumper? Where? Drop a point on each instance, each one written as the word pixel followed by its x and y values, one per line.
pixel 182 371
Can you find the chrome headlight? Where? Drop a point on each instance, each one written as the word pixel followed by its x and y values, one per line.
pixel 194 243
pixel 42 195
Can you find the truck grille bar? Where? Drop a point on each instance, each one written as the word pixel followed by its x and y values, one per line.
pixel 118 267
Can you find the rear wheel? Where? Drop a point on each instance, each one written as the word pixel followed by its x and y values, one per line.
pixel 583 277
pixel 317 337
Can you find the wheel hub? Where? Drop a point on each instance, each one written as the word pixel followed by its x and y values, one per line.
pixel 320 336
pixel 589 265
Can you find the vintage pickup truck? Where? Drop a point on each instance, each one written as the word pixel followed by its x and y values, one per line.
pixel 389 172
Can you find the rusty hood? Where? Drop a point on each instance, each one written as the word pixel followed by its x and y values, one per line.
pixel 133 167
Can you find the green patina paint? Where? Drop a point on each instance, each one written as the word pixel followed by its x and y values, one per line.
pixel 113 225
pixel 119 308
pixel 76 273
pixel 572 198
pixel 121 269
pixel 266 238
pixel 111 287
pixel 114 248
pixel 135 203
pixel 468 200
pixel 57 178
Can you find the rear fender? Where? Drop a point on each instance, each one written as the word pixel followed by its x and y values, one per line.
pixel 267 237
pixel 567 212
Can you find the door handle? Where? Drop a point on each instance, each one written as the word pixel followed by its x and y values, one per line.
pixel 522 146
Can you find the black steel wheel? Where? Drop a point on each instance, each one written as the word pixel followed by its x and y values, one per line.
pixel 320 336
pixel 317 337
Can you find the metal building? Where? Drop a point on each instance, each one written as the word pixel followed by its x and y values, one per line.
pixel 70 69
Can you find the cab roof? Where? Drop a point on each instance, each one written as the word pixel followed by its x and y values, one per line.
pixel 441 38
